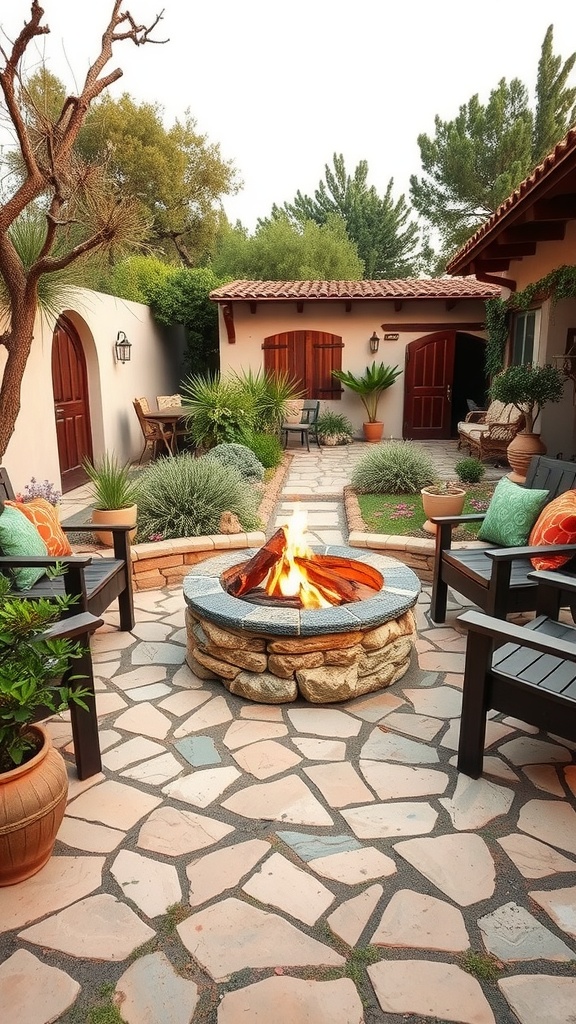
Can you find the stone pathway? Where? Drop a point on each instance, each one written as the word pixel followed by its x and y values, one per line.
pixel 308 865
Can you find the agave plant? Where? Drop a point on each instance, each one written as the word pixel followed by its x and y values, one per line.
pixel 370 386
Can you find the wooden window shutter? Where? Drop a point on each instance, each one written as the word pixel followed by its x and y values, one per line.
pixel 286 353
pixel 326 356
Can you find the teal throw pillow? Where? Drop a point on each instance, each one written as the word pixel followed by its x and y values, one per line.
pixel 511 514
pixel 18 536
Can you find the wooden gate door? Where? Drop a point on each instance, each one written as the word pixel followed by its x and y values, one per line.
pixel 308 357
pixel 428 386
pixel 70 385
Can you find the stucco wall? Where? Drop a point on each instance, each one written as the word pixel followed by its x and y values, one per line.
pixel 154 369
pixel 548 256
pixel 355 328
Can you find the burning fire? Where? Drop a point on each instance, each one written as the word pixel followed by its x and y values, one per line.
pixel 288 576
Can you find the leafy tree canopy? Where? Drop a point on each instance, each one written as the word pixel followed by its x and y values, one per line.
pixel 386 238
pixel 282 250
pixel 473 162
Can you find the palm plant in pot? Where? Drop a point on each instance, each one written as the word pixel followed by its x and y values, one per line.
pixel 528 388
pixel 113 495
pixel 370 387
pixel 33 778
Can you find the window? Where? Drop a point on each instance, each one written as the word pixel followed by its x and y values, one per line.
pixel 309 358
pixel 523 337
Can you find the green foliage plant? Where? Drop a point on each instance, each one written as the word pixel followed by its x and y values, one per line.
pixel 269 394
pixel 266 448
pixel 185 497
pixel 112 484
pixel 31 667
pixel 497 330
pixel 334 428
pixel 221 409
pixel 529 388
pixel 370 386
pixel 241 458
pixel 470 470
pixel 396 467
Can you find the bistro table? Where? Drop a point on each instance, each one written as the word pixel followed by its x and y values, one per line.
pixel 169 417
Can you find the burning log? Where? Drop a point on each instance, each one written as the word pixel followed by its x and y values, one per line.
pixel 241 578
pixel 331 583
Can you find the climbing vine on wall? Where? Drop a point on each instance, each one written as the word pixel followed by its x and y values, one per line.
pixel 558 284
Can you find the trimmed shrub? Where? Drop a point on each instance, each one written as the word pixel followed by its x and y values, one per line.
pixel 185 497
pixel 222 411
pixel 398 467
pixel 470 470
pixel 239 457
pixel 334 428
pixel 266 448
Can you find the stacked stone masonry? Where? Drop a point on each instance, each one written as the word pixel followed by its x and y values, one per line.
pixel 321 669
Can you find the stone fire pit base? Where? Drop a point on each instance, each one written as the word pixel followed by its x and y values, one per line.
pixel 321 669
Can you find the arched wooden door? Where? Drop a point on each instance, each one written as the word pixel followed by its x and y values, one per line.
pixel 71 408
pixel 428 386
pixel 308 357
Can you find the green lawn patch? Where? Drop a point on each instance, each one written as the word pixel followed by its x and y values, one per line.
pixel 403 514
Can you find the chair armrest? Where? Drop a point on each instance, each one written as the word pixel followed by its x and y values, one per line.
pixel 476 416
pixel 90 527
pixel 504 631
pixel 43 561
pixel 556 579
pixel 470 517
pixel 509 554
pixel 69 629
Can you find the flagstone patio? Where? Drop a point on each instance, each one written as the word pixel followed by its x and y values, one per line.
pixel 243 862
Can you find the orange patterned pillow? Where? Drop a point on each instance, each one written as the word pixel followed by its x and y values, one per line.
pixel 45 518
pixel 556 524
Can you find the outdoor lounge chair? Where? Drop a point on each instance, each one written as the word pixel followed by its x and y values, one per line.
pixel 497 579
pixel 306 426
pixel 488 432
pixel 528 671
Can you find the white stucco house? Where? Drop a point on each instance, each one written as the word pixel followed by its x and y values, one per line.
pixel 432 329
pixel 76 398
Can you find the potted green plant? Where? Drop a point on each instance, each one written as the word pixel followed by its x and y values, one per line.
pixel 33 778
pixel 443 498
pixel 370 387
pixel 113 495
pixel 529 388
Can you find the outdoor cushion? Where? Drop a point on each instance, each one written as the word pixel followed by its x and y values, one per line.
pixel 511 514
pixel 497 412
pixel 294 411
pixel 556 524
pixel 45 518
pixel 18 536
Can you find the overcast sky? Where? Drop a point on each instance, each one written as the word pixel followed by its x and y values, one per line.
pixel 282 86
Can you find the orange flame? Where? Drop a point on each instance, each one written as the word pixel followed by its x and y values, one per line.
pixel 288 579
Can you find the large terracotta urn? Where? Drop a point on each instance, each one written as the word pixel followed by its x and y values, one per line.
pixel 449 503
pixel 117 516
pixel 519 453
pixel 32 804
pixel 373 431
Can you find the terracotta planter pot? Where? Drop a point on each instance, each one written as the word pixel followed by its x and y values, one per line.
pixel 441 505
pixel 32 804
pixel 115 516
pixel 519 453
pixel 373 431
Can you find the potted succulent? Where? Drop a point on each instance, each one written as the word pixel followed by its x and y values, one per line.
pixel 113 495
pixel 529 388
pixel 443 498
pixel 370 387
pixel 33 778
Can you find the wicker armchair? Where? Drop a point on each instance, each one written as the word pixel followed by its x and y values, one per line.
pixel 488 432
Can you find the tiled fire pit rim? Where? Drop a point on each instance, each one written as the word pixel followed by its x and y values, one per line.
pixel 205 596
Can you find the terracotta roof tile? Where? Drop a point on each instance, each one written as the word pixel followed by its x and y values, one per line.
pixel 405 288
pixel 563 149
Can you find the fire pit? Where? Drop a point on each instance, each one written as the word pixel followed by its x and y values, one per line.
pixel 358 641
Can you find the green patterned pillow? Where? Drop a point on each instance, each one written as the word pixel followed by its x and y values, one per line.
pixel 511 514
pixel 18 536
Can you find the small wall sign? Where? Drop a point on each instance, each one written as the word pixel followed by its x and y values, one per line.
pixel 391 337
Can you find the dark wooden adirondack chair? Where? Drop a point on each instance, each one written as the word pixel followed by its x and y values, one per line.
pixel 497 579
pixel 528 671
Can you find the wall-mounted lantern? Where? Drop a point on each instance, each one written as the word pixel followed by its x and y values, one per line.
pixel 122 346
pixel 374 343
